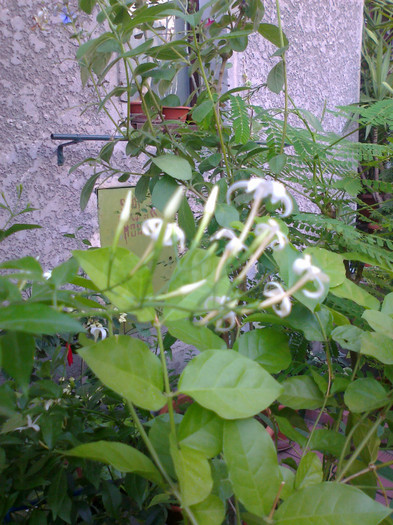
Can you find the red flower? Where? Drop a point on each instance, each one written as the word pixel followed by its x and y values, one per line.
pixel 70 357
pixel 208 22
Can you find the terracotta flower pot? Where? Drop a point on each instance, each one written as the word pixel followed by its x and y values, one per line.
pixel 175 113
pixel 136 107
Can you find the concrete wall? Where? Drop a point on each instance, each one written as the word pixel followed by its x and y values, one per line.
pixel 41 93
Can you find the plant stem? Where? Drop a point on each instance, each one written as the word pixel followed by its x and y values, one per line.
pixel 285 123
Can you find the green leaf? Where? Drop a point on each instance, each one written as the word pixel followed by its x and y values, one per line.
pixel 174 166
pixel 64 273
pixel 327 441
pixel 348 337
pixel 241 122
pixel 377 345
pixel 231 385
pixel 57 495
pixel 186 219
pixel 312 120
pixel 277 163
pixel 331 504
pixel 350 290
pixel 141 188
pixel 380 322
pixel 171 100
pixel 163 191
pixel 199 336
pixel 87 5
pixel 125 296
pixel 252 463
pixel 288 477
pixel 193 473
pixel 159 437
pixel 309 471
pixel 35 318
pixel 210 511
pixel 226 214
pixel 87 190
pixel 364 395
pixel 202 110
pixel 201 430
pixel 120 456
pixel 17 356
pixel 238 44
pixel 268 347
pixel 17 228
pixel 29 268
pixel 301 392
pixel 275 78
pixel 330 263
pixel 387 305
pixel 272 33
pixel 127 366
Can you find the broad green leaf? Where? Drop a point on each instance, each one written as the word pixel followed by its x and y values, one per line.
pixel 268 347
pixel 330 263
pixel 127 366
pixel 163 191
pixel 97 264
pixel 64 273
pixel 17 356
pixel 365 394
pixel 193 473
pixel 202 110
pixel 238 44
pixel 288 477
pixel 199 336
pixel 350 290
pixel 35 318
pixel 300 392
pixel 29 268
pixel 387 305
pixel 327 441
pixel 277 163
pixel 87 5
pixel 174 166
pixel 210 511
pixel 226 214
pixel 272 33
pixel 231 385
pixel 380 322
pixel 309 471
pixel 120 456
pixel 377 345
pixel 252 463
pixel 275 78
pixel 301 318
pixel 331 504
pixel 348 337
pixel 201 430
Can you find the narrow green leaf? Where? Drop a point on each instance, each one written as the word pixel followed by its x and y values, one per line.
pixel 365 394
pixel 252 463
pixel 174 166
pixel 120 456
pixel 17 356
pixel 87 190
pixel 35 318
pixel 186 219
pixel 331 504
pixel 231 385
pixel 127 366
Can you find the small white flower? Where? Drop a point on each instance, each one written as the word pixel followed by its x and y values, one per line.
pixel 98 330
pixel 303 266
pixel 152 228
pixel 274 229
pixel 228 320
pixel 47 275
pixel 122 318
pixel 273 289
pixel 262 189
pixel 30 424
pixel 234 245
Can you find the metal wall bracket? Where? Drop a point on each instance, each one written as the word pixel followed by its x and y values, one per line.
pixel 75 139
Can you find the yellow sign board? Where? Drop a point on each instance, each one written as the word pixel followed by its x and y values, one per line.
pixel 110 204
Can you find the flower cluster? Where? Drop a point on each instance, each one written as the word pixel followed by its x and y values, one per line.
pixel 172 235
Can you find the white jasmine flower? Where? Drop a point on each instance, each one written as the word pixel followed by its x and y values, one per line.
pixel 234 245
pixel 274 229
pixel 273 289
pixel 228 320
pixel 30 424
pixel 262 189
pixel 152 228
pixel 122 318
pixel 47 275
pixel 98 330
pixel 303 266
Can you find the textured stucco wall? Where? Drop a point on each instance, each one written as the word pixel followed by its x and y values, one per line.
pixel 41 93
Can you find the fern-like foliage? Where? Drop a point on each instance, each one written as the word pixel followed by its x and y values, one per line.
pixel 241 125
